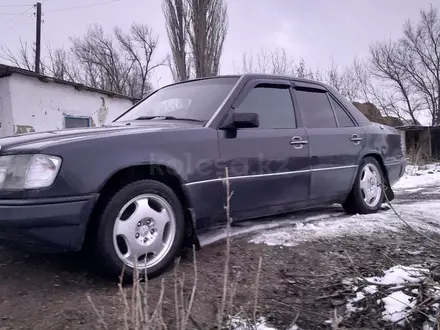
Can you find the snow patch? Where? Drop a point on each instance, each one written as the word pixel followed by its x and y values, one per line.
pixel 397 307
pixel 401 275
pixel 399 290
pixel 419 177
pixel 239 323
pixel 418 215
pixel 250 226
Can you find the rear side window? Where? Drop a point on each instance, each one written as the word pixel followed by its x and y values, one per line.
pixel 344 119
pixel 316 109
pixel 273 105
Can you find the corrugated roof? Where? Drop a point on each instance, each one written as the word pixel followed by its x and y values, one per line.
pixel 417 127
pixel 6 71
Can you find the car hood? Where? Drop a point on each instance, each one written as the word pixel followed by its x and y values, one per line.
pixel 38 140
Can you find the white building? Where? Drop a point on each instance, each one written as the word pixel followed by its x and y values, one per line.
pixel 31 102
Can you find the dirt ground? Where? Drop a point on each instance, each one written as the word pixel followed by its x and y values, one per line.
pixel 298 283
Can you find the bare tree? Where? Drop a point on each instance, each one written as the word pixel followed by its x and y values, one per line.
pixel 120 63
pixel 277 62
pixel 59 65
pixel 270 62
pixel 102 64
pixel 196 31
pixel 22 58
pixel 377 91
pixel 386 60
pixel 421 43
pixel 207 28
pixel 139 48
pixel 344 81
pixel 409 69
pixel 176 16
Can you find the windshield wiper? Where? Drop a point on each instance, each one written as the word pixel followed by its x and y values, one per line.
pixel 168 118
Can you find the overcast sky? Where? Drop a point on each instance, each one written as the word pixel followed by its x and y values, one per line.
pixel 316 30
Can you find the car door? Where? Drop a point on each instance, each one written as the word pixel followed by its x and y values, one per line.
pixel 335 142
pixel 268 165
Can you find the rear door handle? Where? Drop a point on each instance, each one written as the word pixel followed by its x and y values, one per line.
pixel 298 142
pixel 356 139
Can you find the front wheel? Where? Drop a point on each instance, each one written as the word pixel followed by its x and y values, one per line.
pixel 367 193
pixel 141 227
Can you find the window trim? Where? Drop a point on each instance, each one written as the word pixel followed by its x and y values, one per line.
pixel 89 119
pixel 330 96
pixel 250 85
pixel 254 83
pixel 310 88
pixel 308 85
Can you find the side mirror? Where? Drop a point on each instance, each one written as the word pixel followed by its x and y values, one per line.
pixel 245 120
pixel 241 120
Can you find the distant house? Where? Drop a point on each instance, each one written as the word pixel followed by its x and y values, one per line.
pixel 422 142
pixel 31 102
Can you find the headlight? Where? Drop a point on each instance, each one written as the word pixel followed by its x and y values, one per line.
pixel 19 172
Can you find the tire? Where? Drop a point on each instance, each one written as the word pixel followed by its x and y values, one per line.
pixel 357 201
pixel 131 222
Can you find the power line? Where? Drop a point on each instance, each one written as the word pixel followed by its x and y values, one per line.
pixel 7 6
pixel 19 14
pixel 84 6
pixel 18 22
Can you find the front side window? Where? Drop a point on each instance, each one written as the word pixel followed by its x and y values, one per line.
pixel 316 109
pixel 192 100
pixel 273 105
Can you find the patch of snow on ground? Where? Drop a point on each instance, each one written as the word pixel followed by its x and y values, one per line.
pixel 416 214
pixel 397 300
pixel 419 177
pixel 246 227
pixel 421 215
pixel 238 323
pixel 397 307
pixel 400 275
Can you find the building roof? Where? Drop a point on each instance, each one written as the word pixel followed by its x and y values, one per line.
pixel 6 71
pixel 418 127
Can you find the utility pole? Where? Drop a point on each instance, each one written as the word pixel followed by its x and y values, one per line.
pixel 38 39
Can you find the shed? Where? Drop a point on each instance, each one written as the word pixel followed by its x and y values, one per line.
pixel 31 102
pixel 422 142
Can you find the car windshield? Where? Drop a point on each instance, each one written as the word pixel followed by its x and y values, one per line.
pixel 193 100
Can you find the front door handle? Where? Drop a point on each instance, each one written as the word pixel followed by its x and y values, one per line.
pixel 356 139
pixel 298 142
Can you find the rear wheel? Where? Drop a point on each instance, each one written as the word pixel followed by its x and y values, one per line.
pixel 367 193
pixel 141 227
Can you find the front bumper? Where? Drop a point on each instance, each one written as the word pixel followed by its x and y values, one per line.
pixel 46 224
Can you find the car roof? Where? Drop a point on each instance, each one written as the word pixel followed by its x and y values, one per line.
pixel 255 76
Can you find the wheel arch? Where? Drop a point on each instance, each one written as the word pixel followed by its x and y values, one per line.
pixel 379 159
pixel 129 174
pixel 388 191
